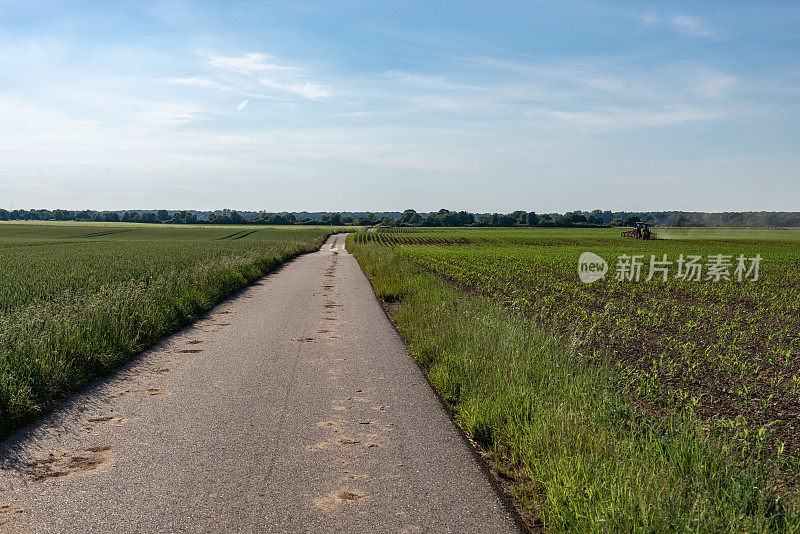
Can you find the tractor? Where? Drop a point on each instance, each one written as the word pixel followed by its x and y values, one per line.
pixel 640 231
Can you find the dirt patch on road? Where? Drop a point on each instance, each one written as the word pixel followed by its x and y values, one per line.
pixel 334 499
pixel 153 392
pixel 69 463
pixel 8 512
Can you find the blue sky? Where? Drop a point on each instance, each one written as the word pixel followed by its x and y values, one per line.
pixel 484 106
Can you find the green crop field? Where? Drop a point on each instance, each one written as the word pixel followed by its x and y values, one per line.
pixel 76 300
pixel 662 404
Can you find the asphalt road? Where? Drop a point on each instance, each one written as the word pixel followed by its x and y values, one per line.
pixel 293 407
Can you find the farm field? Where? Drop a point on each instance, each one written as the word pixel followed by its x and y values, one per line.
pixel 710 364
pixel 76 300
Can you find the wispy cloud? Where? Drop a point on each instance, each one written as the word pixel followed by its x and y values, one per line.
pixel 682 23
pixel 421 80
pixel 198 81
pixel 578 96
pixel 611 119
pixel 250 63
pixel 265 70
pixel 690 26
pixel 714 84
pixel 307 90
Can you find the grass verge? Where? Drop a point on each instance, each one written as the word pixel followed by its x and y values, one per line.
pixel 581 458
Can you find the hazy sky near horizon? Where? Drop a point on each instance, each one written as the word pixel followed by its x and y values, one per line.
pixel 477 105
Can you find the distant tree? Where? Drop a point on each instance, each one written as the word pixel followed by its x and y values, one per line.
pixel 277 219
pixel 631 221
pixel 162 215
pixel 520 218
pixel 617 221
pixel 683 222
pixel 148 217
pixel 183 217
pixel 236 218
pixel 531 219
pixel 506 220
pixel 445 217
pixel 387 221
pixel 63 215
pixel 409 218
pixel 290 218
pixel 465 218
pixel 573 217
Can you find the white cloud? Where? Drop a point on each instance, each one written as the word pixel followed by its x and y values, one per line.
pixel 197 81
pixel 649 19
pixel 419 79
pixel 617 118
pixel 690 26
pixel 441 103
pixel 273 74
pixel 307 90
pixel 606 84
pixel 250 63
pixel 714 84
pixel 357 114
pixel 491 101
pixel 681 23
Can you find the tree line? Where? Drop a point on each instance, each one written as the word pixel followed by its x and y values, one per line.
pixel 410 217
pixel 185 217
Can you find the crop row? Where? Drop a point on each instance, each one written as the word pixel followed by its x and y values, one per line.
pixel 728 350
pixel 574 391
pixel 399 239
pixel 392 230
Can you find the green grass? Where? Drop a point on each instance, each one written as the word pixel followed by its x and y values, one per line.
pixel 76 300
pixel 729 350
pixel 557 411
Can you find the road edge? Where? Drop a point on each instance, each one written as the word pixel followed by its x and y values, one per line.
pixel 522 520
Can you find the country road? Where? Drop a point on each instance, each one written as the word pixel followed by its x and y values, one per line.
pixel 292 407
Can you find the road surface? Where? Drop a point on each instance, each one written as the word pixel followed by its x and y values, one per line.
pixel 292 407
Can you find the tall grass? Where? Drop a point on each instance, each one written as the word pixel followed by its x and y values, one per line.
pixel 76 327
pixel 583 459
